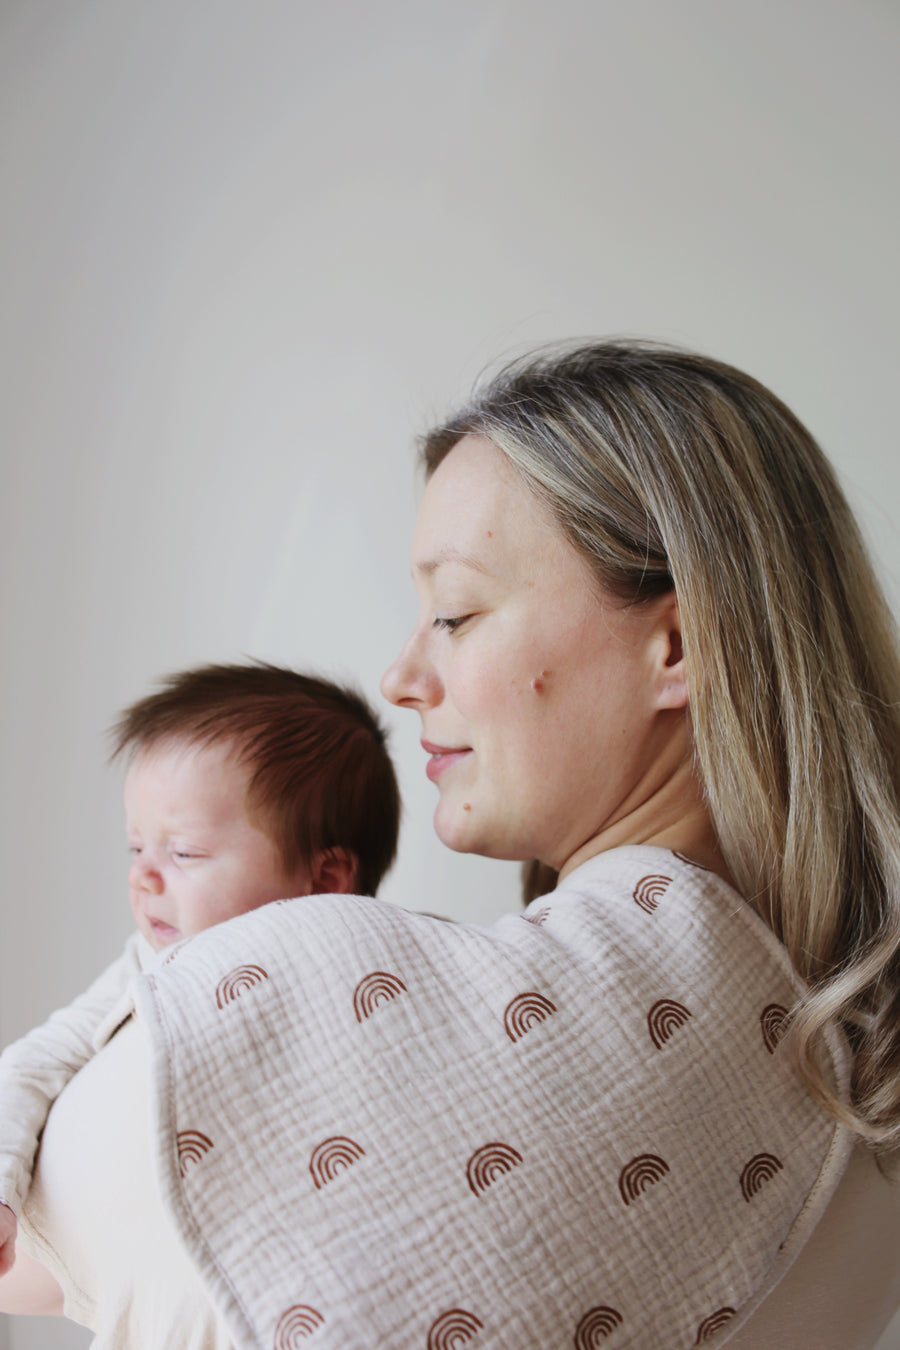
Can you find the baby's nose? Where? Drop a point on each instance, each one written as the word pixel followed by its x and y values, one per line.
pixel 143 876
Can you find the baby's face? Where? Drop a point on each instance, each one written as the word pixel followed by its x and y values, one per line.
pixel 196 857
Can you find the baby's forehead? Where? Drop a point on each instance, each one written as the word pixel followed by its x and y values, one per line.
pixel 189 763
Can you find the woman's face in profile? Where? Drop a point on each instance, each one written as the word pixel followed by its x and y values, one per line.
pixel 538 696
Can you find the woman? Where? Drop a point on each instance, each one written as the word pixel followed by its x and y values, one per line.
pixel 650 541
pixel 651 658
pixel 673 490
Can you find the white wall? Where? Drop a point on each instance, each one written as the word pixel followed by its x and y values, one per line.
pixel 249 249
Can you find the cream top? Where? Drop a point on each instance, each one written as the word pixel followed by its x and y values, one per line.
pixel 94 1216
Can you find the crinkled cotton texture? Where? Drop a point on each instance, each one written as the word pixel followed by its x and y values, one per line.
pixel 577 1126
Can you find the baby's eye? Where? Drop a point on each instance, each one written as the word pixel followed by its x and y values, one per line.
pixel 451 625
pixel 134 849
pixel 178 854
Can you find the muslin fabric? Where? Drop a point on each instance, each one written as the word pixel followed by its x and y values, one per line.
pixel 577 1126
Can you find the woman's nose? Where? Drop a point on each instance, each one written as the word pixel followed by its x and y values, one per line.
pixel 143 876
pixel 411 681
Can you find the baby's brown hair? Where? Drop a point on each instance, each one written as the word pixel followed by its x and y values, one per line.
pixel 319 772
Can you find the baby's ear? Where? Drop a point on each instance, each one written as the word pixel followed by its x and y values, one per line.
pixel 333 871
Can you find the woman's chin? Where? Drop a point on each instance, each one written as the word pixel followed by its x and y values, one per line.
pixel 451 832
pixel 460 828
pixel 457 830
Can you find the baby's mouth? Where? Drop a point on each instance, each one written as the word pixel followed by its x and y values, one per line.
pixel 163 932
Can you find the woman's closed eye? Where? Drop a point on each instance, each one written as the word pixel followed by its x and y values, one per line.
pixel 451 624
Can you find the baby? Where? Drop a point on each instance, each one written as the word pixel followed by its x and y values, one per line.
pixel 245 784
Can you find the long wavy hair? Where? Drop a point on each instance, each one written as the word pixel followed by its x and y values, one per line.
pixel 667 469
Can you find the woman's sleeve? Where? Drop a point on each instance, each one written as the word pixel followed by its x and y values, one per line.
pixel 35 1069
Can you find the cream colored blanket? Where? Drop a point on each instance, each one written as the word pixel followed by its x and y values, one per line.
pixel 574 1127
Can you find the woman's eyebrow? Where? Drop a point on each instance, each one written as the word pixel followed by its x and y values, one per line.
pixel 449 555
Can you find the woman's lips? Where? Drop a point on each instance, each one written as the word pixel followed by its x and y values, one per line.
pixel 442 757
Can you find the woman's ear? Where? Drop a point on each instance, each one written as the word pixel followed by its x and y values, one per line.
pixel 333 871
pixel 671 690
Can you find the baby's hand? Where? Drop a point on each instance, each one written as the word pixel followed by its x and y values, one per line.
pixel 8 1230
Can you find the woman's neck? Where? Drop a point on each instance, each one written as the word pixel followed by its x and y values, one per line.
pixel 674 816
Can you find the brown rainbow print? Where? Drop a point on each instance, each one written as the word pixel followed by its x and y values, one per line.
pixel 296 1325
pixel 377 987
pixel 710 1325
pixel 332 1156
pixel 192 1146
pixel 538 917
pixel 642 1172
pixel 595 1326
pixel 649 891
pixel 490 1162
pixel 665 1018
pixel 236 982
pixel 774 1022
pixel 524 1012
pixel 454 1327
pixel 692 862
pixel 759 1170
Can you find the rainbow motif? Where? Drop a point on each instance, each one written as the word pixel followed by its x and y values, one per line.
pixel 665 1018
pixel 524 1012
pixel 538 917
pixel 759 1170
pixel 332 1156
pixel 378 987
pixel 236 982
pixel 692 862
pixel 296 1325
pixel 595 1326
pixel 649 891
pixel 192 1146
pixel 710 1325
pixel 454 1327
pixel 642 1172
pixel 489 1163
pixel 774 1021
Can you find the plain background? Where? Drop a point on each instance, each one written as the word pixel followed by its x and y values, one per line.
pixel 249 250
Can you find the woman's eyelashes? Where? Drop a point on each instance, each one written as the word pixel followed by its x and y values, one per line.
pixel 450 625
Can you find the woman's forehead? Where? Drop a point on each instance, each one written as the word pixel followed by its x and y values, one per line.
pixel 476 512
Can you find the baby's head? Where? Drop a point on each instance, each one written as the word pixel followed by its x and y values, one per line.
pixel 247 784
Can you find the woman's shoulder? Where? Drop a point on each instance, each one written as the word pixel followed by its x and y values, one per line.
pixel 684 920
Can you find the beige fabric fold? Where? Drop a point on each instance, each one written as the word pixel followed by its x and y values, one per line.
pixel 573 1127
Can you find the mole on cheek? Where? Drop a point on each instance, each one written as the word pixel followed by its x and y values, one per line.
pixel 537 683
pixel 467 806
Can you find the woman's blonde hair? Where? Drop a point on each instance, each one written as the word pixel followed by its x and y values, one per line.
pixel 666 468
